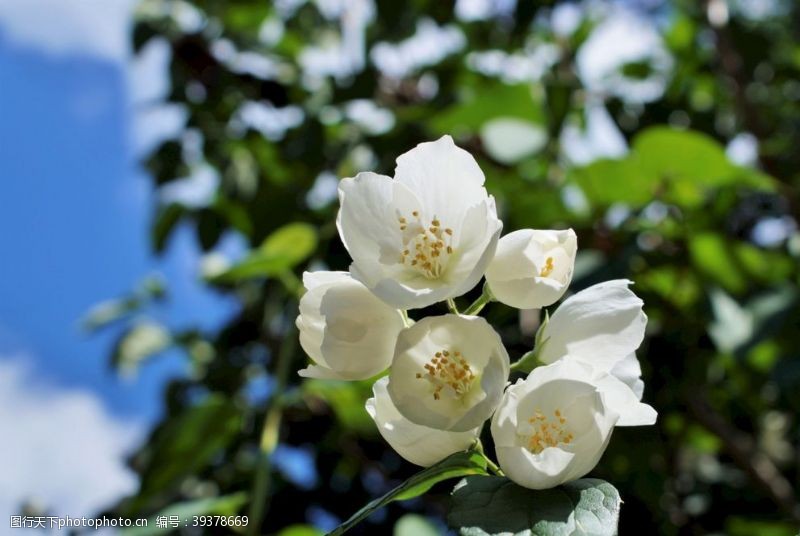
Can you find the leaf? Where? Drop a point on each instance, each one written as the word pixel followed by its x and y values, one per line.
pixel 489 505
pixel 346 399
pixel 141 341
pixel 682 154
pixel 606 181
pixel 509 140
pixel 227 505
pixel 414 525
pixel 186 444
pixel 282 250
pixel 454 466
pixel 491 100
pixel 713 257
pixel 166 220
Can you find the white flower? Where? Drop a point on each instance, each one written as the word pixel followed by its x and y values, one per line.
pixel 418 444
pixel 347 331
pixel 532 269
pixel 424 236
pixel 552 427
pixel 603 326
pixel 448 372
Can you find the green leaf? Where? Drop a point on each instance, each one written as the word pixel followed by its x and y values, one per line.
pixel 346 399
pixel 300 530
pixel 713 257
pixel 227 505
pixel 682 154
pixel 489 101
pixel 187 444
pixel 489 505
pixel 141 341
pixel 282 250
pixel 414 525
pixel 454 466
pixel 509 140
pixel 614 181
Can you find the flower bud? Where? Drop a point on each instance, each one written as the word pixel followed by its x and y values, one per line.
pixel 347 331
pixel 532 269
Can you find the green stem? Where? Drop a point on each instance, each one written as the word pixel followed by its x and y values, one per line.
pixel 451 305
pixel 493 467
pixel 407 322
pixel 292 283
pixel 485 297
pixel 526 363
pixel 259 500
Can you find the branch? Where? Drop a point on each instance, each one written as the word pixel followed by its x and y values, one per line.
pixel 742 449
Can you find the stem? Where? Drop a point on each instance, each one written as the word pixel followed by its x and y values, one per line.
pixel 526 363
pixel 292 283
pixel 493 467
pixel 270 433
pixel 451 305
pixel 485 297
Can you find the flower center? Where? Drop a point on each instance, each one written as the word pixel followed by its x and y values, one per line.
pixel 548 267
pixel 426 248
pixel 548 432
pixel 451 371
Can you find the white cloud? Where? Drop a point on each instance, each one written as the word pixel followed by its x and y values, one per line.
pixel 624 37
pixel 600 138
pixel 428 46
pixel 91 27
pixel 60 449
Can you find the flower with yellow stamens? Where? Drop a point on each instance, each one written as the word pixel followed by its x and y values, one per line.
pixel 448 372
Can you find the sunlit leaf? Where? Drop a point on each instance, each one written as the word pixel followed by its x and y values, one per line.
pixel 282 250
pixel 489 505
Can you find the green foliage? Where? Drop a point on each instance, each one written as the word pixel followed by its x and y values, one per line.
pixel 183 445
pixel 489 505
pixel 673 213
pixel 281 251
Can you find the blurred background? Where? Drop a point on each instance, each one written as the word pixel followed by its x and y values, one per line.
pixel 169 168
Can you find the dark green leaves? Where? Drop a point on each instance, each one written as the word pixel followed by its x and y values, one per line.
pixel 488 505
pixel 282 250
pixel 227 505
pixel 454 466
pixel 186 444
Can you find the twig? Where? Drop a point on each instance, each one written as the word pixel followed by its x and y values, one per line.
pixel 742 449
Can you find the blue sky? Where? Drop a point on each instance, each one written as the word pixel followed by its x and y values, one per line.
pixel 74 217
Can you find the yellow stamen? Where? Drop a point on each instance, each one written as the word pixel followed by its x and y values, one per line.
pixel 548 267
pixel 453 378
pixel 548 432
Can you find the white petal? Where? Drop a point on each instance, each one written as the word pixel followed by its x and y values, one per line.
pixel 312 280
pixel 320 373
pixel 621 399
pixel 566 387
pixel 477 241
pixel 446 178
pixel 629 372
pixel 543 471
pixel 482 349
pixel 368 223
pixel 600 325
pixel 418 444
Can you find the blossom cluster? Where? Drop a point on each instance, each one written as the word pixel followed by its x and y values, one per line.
pixel 428 235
